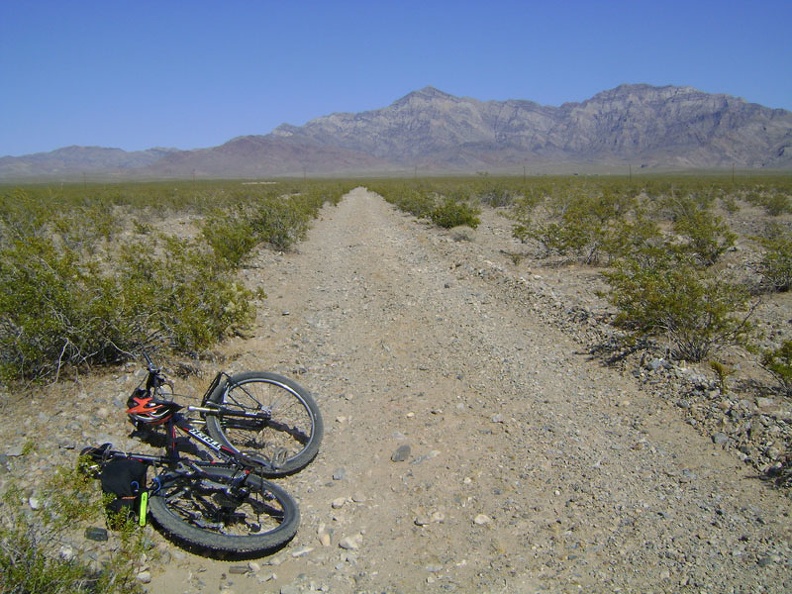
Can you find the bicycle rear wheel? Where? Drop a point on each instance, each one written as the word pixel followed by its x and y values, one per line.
pixel 208 512
pixel 270 418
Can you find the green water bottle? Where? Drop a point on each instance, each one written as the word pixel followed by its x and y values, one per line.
pixel 143 508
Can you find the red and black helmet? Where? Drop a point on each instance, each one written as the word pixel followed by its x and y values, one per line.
pixel 143 408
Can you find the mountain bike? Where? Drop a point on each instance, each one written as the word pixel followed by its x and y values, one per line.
pixel 214 501
pixel 271 418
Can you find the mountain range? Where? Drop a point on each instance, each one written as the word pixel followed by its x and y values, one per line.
pixel 432 132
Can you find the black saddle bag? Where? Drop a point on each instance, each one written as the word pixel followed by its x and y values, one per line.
pixel 123 481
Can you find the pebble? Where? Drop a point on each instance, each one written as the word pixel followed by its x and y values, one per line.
pixel 482 519
pixel 96 534
pixel 401 453
pixel 239 569
pixel 301 552
pixel 351 543
pixel 720 439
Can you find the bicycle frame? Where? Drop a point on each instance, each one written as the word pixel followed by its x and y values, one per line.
pixel 172 458
pixel 156 380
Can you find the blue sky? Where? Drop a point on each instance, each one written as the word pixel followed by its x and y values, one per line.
pixel 136 74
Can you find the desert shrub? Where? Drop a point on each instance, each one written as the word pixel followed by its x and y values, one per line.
pixel 699 229
pixel 36 554
pixel 86 225
pixel 22 216
pixel 451 213
pixel 493 192
pixel 282 222
pixel 694 308
pixel 522 213
pixel 230 234
pixel 59 308
pixel 777 204
pixel 450 209
pixel 776 264
pixel 69 295
pixel 587 223
pixel 271 218
pixel 779 363
pixel 184 293
pixel 44 298
pixel 775 201
pixel 413 200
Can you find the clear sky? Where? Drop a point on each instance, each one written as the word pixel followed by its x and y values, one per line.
pixel 136 74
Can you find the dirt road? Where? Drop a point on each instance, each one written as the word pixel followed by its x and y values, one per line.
pixel 530 468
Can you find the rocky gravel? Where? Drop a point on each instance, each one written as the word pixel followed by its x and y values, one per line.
pixel 473 442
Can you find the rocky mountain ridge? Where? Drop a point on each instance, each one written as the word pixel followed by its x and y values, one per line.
pixel 640 125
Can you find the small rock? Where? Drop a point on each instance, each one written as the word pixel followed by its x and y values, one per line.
pixel 351 543
pixel 239 569
pixel 338 502
pixel 720 439
pixel 14 451
pixel 482 519
pixel 97 534
pixel 401 454
pixel 301 552
pixel 339 474
pixel 144 577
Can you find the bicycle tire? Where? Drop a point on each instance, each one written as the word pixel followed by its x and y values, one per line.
pixel 287 440
pixel 198 511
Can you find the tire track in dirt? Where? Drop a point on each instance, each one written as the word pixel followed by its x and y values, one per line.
pixel 530 467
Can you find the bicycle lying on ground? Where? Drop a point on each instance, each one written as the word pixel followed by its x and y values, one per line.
pixel 214 497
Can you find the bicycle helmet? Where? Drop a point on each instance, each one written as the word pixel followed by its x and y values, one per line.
pixel 145 409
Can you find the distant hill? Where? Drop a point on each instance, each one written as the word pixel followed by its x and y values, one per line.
pixel 434 132
pixel 79 160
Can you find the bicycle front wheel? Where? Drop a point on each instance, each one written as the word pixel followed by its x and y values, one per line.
pixel 270 418
pixel 211 513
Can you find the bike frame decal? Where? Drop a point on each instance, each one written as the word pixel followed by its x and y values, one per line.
pixel 205 439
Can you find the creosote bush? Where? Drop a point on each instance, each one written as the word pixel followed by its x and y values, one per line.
pixel 84 281
pixel 779 363
pixel 776 264
pixel 450 214
pixel 445 207
pixel 690 306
